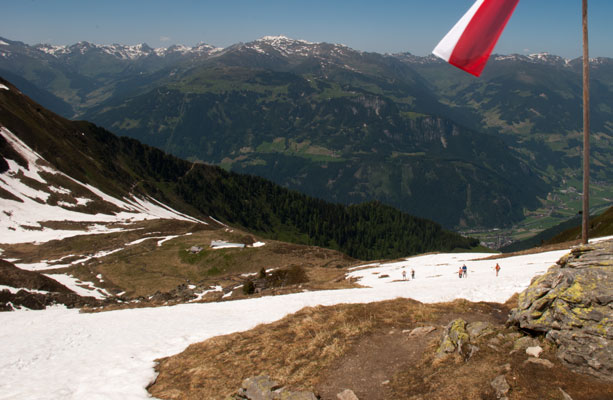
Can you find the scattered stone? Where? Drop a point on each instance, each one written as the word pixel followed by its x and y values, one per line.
pixel 571 305
pixel 472 350
pixel 534 351
pixel 539 361
pixel 287 395
pixel 387 382
pixel 347 394
pixel 506 367
pixel 525 342
pixel 565 395
pixel 263 388
pixel 421 331
pixel 495 348
pixel 501 386
pixel 259 388
pixel 478 329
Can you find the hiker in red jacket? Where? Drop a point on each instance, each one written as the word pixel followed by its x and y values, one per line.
pixel 497 268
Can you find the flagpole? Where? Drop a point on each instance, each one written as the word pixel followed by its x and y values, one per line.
pixel 586 131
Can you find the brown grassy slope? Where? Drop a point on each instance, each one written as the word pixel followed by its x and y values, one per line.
pixel 146 268
pixel 313 348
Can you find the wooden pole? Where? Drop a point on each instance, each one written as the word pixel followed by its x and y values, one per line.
pixel 586 131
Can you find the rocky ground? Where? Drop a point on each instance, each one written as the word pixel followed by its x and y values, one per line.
pixel 553 341
pixel 398 349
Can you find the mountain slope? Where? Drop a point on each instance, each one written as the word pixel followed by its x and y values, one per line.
pixel 321 118
pixel 139 174
pixel 342 133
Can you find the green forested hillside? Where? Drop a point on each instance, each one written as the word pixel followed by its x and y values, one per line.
pixel 121 165
pixel 344 142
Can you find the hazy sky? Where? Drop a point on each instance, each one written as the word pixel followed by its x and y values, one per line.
pixel 383 26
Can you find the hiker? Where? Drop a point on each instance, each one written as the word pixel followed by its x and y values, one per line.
pixel 464 270
pixel 404 275
pixel 460 273
pixel 412 273
pixel 497 268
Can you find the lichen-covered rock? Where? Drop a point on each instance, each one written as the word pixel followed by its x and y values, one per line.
pixel 572 304
pixel 478 329
pixel 454 338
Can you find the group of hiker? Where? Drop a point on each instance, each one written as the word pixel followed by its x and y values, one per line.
pixel 463 271
pixel 404 274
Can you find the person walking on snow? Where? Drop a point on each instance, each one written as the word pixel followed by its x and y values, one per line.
pixel 497 268
pixel 404 275
pixel 412 273
pixel 460 273
pixel 464 271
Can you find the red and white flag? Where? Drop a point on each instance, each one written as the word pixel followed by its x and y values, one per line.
pixel 470 42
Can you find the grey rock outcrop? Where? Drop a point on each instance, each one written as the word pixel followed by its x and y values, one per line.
pixel 264 388
pixel 572 304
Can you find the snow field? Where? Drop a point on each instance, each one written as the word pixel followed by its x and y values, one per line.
pixel 21 223
pixel 62 354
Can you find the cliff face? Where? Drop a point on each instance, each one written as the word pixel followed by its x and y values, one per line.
pixel 572 304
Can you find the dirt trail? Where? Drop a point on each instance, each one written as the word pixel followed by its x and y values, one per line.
pixel 372 362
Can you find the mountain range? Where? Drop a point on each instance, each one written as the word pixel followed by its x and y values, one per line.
pixel 340 124
pixel 62 178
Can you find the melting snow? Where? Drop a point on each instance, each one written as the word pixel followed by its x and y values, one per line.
pixel 222 244
pixel 62 354
pixel 79 287
pixel 3 87
pixel 22 223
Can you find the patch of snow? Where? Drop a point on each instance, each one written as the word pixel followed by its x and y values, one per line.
pixel 79 287
pixel 15 290
pixel 222 244
pixel 3 43
pixel 219 222
pixel 199 296
pixel 167 238
pixel 44 265
pixel 25 215
pixel 3 87
pixel 225 296
pixel 258 244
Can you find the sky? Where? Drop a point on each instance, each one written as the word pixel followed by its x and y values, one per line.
pixel 384 26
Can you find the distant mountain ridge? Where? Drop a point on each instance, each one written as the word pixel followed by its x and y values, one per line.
pixel 342 124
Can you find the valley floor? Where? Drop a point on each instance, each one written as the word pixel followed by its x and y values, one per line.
pixel 60 353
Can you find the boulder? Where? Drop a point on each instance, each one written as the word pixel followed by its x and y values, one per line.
pixel 501 386
pixel 259 388
pixel 347 394
pixel 572 305
pixel 454 338
pixel 421 331
pixel 478 329
pixel 534 351
pixel 262 387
